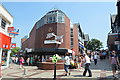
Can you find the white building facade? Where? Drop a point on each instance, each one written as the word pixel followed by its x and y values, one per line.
pixel 6 21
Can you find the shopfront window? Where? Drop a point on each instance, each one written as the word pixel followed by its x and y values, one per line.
pixel 4 58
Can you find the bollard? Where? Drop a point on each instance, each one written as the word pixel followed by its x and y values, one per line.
pixel 24 71
pixel 54 71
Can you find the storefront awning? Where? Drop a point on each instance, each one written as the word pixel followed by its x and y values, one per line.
pixel 49 51
pixel 80 45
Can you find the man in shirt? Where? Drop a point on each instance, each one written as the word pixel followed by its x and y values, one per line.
pixel 114 61
pixel 87 65
pixel 67 64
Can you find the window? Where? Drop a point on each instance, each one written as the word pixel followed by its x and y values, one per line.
pixel 71 41
pixel 3 23
pixel 59 18
pixel 50 19
pixel 54 20
pixel 71 35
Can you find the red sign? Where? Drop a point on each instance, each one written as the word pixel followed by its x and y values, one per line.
pixel 13 45
pixel 5 41
pixel 10 29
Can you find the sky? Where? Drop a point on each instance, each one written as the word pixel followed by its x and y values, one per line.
pixel 94 17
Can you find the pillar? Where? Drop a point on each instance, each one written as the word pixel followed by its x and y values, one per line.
pixel 8 57
pixel 0 62
pixel 0 55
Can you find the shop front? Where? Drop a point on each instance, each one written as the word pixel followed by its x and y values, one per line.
pixel 5 42
pixel 113 41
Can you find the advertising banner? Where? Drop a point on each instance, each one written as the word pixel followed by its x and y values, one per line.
pixel 5 41
pixel 13 45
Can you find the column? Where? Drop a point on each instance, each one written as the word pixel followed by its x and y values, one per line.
pixel 8 57
pixel 0 55
pixel 0 62
pixel 0 20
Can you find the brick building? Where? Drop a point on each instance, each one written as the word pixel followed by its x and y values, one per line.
pixel 53 33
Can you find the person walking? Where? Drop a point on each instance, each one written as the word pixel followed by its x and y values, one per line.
pixel 118 55
pixel 22 61
pixel 113 61
pixel 28 61
pixel 67 64
pixel 16 60
pixel 80 61
pixel 95 57
pixel 31 60
pixel 87 65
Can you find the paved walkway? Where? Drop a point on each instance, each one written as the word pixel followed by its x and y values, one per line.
pixel 101 70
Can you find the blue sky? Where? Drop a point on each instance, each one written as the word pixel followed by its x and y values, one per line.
pixel 94 17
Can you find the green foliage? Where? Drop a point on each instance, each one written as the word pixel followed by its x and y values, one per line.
pixel 14 51
pixel 94 45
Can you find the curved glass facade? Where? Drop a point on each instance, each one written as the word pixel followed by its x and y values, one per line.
pixel 52 17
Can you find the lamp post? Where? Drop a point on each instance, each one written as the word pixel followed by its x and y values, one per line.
pixel 57 42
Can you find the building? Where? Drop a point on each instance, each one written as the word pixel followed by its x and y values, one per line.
pixel 54 33
pixel 87 39
pixel 113 41
pixel 6 21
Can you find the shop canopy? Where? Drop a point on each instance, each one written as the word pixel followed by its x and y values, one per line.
pixel 49 51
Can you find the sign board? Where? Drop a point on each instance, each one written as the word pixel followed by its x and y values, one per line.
pixel 49 35
pixel 5 41
pixel 70 51
pixel 58 39
pixel 117 42
pixel 28 50
pixel 13 32
pixel 113 34
pixel 13 45
pixel 10 29
pixel 51 42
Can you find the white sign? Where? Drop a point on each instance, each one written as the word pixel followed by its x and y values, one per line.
pixel 28 50
pixel 51 42
pixel 113 34
pixel 59 37
pixel 117 42
pixel 49 35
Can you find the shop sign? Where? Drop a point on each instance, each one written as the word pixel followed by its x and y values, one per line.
pixel 49 35
pixel 10 29
pixel 117 42
pixel 13 32
pixel 13 45
pixel 57 40
pixel 5 41
pixel 51 42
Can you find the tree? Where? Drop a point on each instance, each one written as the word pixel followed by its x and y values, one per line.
pixel 94 45
pixel 14 51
